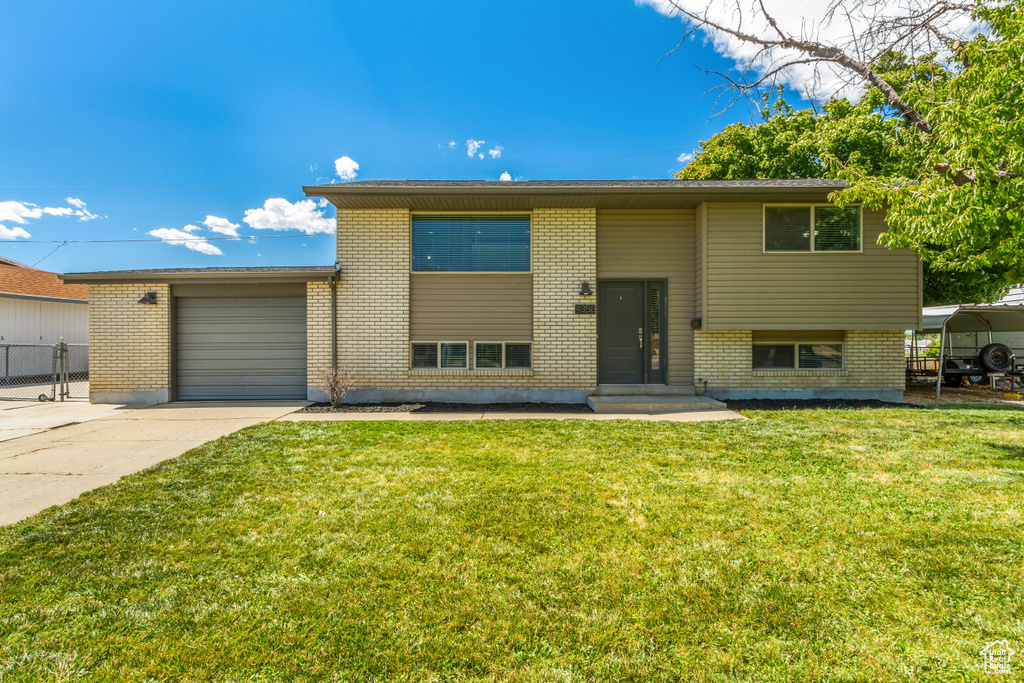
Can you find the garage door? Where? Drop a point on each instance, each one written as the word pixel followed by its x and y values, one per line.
pixel 240 348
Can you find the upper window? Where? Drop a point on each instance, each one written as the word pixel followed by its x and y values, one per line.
pixel 788 228
pixel 471 244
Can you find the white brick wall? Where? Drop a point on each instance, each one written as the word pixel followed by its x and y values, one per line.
pixel 373 306
pixel 129 343
pixel 874 363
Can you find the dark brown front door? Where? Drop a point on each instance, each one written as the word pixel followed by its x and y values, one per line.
pixel 621 332
pixel 631 334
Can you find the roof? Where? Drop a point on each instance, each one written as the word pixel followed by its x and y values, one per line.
pixel 205 275
pixel 19 279
pixel 463 195
pixel 1005 315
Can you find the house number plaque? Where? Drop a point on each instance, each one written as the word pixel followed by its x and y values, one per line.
pixel 586 309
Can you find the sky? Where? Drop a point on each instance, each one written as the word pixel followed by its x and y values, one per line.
pixel 201 121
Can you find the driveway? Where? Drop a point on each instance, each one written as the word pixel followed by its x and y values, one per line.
pixel 43 463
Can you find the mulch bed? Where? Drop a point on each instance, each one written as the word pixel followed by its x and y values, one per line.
pixel 432 407
pixel 810 404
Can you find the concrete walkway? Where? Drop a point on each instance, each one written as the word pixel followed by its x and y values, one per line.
pixel 44 468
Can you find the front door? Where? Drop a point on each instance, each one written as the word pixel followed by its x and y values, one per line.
pixel 631 341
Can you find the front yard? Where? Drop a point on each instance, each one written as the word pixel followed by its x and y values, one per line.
pixel 800 545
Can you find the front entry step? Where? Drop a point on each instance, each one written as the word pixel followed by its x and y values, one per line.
pixel 653 404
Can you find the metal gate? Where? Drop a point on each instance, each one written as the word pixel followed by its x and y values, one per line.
pixel 44 372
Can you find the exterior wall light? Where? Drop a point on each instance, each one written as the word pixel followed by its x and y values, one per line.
pixel 585 289
pixel 149 298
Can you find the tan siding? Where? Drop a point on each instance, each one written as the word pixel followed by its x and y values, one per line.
pixel 472 306
pixel 747 289
pixel 699 260
pixel 655 245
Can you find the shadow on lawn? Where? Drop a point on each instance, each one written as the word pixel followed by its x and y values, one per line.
pixel 844 404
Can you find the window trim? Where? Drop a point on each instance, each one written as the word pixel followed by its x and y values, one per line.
pixel 812 250
pixel 796 355
pixel 504 355
pixel 414 214
pixel 471 355
pixel 437 346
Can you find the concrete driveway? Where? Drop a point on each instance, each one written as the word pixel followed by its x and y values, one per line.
pixel 53 453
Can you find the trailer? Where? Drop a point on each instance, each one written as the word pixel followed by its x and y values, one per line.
pixel 993 362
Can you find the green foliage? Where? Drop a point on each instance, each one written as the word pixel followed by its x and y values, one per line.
pixel 967 222
pixel 970 219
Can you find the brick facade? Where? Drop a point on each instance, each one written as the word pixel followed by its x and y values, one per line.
pixel 129 344
pixel 373 313
pixel 875 368
pixel 318 335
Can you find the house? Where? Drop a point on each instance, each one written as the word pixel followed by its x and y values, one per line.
pixel 532 291
pixel 37 308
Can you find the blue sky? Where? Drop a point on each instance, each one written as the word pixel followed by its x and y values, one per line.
pixel 155 115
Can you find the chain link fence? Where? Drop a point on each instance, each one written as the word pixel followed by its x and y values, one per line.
pixel 44 372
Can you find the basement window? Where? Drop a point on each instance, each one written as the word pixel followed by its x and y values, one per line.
pixel 443 355
pixel 798 350
pixel 502 356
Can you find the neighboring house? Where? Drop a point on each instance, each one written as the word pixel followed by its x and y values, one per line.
pixel 37 308
pixel 532 291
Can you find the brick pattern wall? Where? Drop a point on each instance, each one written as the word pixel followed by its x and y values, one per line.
pixel 318 330
pixel 129 342
pixel 373 305
pixel 874 360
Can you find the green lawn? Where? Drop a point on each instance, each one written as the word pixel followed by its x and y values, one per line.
pixel 834 545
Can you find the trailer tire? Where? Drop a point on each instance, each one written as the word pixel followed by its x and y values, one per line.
pixel 996 358
pixel 953 381
pixel 980 378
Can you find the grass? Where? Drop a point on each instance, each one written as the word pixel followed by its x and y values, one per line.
pixel 840 545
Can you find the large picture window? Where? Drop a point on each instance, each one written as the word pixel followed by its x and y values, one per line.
pixel 789 228
pixel 471 243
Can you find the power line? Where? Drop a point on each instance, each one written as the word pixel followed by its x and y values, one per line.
pixel 174 240
pixel 293 184
pixel 49 254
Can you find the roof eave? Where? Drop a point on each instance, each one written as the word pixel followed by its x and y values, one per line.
pixel 199 276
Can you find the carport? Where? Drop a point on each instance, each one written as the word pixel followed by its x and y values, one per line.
pixel 993 360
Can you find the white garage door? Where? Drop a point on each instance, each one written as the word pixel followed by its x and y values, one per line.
pixel 240 348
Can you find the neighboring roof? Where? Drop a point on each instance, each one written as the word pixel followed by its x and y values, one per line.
pixel 19 279
pixel 971 318
pixel 205 275
pixel 1007 313
pixel 463 195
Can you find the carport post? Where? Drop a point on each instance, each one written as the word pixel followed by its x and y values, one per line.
pixel 942 361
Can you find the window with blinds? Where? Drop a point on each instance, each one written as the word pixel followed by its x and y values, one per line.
pixel 471 243
pixel 789 228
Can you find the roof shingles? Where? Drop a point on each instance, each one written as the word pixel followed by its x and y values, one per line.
pixel 31 282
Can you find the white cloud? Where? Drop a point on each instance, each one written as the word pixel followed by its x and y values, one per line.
pixel 280 214
pixel 451 144
pixel 186 239
pixel 496 152
pixel 684 158
pixel 505 175
pixel 191 228
pixel 18 212
pixel 58 211
pixel 23 212
pixel 12 233
pixel 346 168
pixel 222 226
pixel 472 146
pixel 803 18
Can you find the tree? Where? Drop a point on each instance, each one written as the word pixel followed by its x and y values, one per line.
pixel 936 137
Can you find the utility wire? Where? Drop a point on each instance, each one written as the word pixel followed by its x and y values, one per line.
pixel 63 242
pixel 293 184
pixel 172 240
